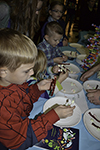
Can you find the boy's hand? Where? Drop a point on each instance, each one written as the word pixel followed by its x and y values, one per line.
pixel 44 84
pixel 55 69
pixel 64 111
pixel 65 58
pixel 63 76
pixel 58 59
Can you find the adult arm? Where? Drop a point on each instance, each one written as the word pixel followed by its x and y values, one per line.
pixel 90 72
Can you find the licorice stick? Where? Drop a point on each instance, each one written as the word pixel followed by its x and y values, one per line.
pixel 94 117
pixel 96 87
pixel 52 87
pixel 95 125
pixel 64 64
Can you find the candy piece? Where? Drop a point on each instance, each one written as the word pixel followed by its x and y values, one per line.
pixel 73 90
pixel 64 90
pixel 72 101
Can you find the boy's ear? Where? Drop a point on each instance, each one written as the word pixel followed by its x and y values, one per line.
pixel 46 37
pixel 3 72
pixel 50 12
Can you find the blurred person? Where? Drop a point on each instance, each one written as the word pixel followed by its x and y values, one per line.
pixel 87 15
pixel 4 14
pixel 25 16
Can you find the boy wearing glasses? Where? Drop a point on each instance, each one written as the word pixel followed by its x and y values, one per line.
pixel 56 11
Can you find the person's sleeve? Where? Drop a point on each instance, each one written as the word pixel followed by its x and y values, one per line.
pixel 32 80
pixel 59 53
pixel 34 92
pixel 58 87
pixel 38 129
pixel 44 123
pixel 50 61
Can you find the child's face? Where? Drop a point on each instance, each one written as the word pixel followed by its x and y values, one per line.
pixel 56 12
pixel 54 39
pixel 20 75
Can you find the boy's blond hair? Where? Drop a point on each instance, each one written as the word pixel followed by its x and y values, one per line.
pixel 15 49
pixel 53 27
pixel 40 64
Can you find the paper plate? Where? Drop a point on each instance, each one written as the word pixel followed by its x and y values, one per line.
pixel 69 121
pixel 83 50
pixel 76 45
pixel 80 48
pixel 80 58
pixel 70 54
pixel 88 120
pixel 73 69
pixel 71 86
pixel 91 84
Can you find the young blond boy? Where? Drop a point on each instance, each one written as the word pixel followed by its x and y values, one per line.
pixel 17 59
pixel 49 45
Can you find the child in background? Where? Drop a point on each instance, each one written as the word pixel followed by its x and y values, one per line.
pixel 17 59
pixel 53 35
pixel 56 11
pixel 40 72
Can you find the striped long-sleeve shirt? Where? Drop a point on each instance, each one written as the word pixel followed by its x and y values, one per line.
pixel 50 52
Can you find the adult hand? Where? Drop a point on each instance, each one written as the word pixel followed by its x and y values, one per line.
pixel 90 72
pixel 94 96
pixel 86 75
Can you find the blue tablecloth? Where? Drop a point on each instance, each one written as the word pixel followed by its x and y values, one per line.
pixel 86 140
